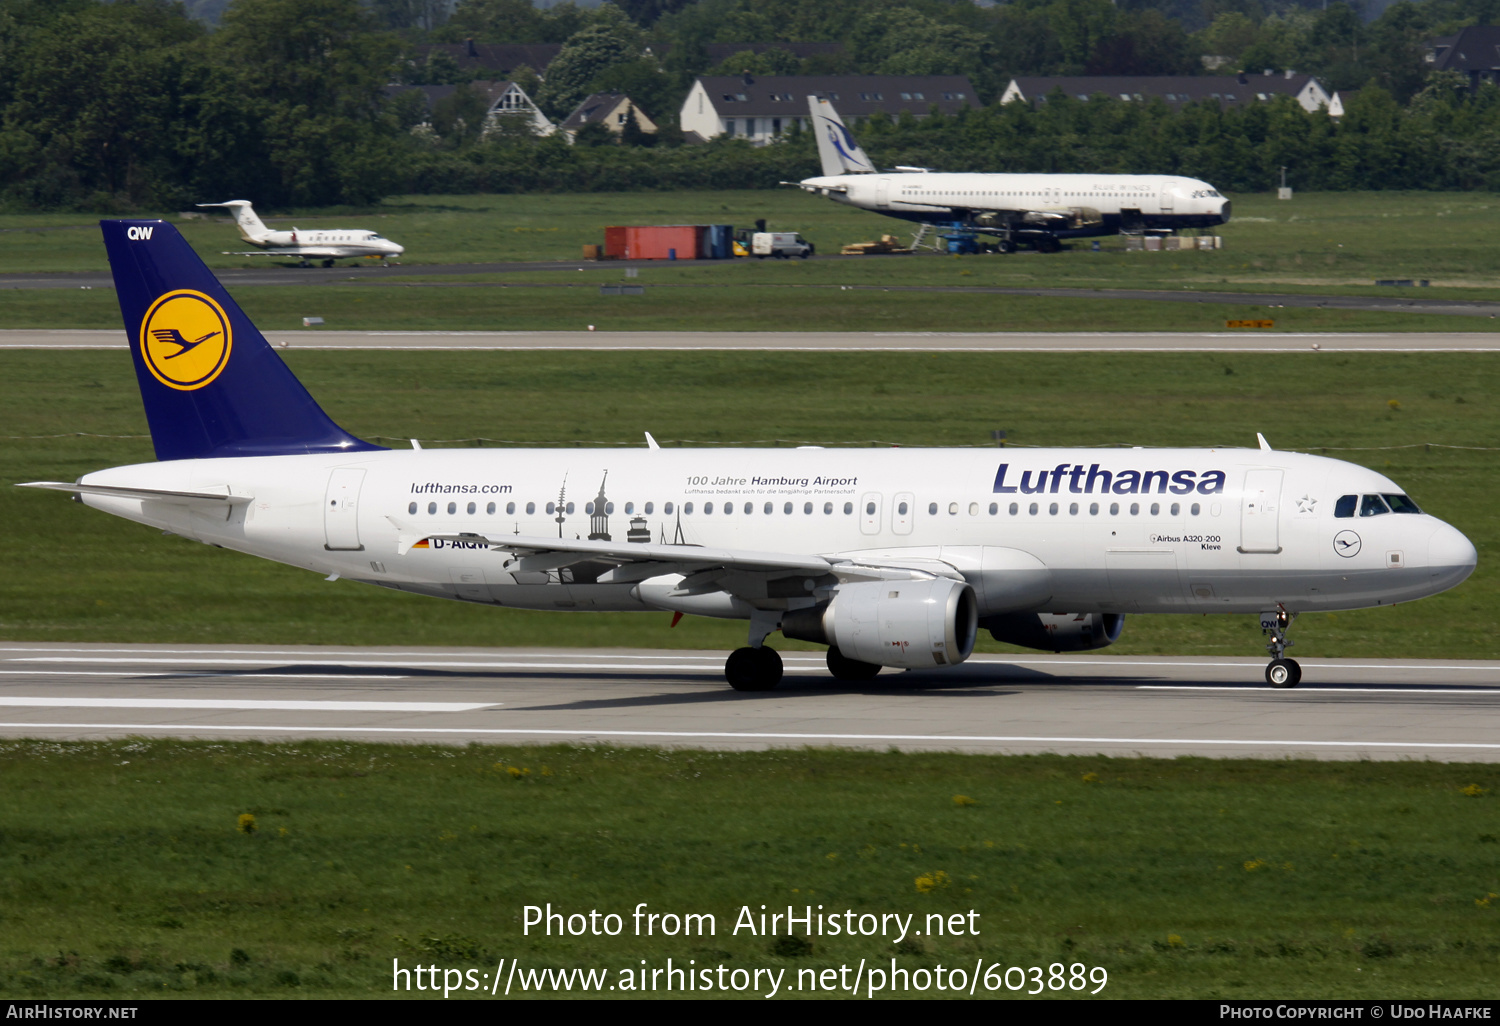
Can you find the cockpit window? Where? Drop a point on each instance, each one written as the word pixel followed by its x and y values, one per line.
pixel 1344 508
pixel 1400 504
pixel 1372 506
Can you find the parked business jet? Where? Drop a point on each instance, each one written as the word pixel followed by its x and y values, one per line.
pixel 892 557
pixel 327 244
pixel 1014 208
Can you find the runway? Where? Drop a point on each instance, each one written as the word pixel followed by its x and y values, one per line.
pixel 819 341
pixel 1119 706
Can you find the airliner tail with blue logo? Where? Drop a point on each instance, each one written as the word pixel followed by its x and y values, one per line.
pixel 893 558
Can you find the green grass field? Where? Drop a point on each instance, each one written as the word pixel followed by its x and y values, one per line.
pixel 77 574
pixel 126 872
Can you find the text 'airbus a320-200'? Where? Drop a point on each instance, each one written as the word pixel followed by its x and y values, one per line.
pixel 891 558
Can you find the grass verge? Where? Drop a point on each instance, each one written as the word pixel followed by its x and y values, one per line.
pixel 127 870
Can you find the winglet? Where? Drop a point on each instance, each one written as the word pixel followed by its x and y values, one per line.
pixel 1265 446
pixel 651 442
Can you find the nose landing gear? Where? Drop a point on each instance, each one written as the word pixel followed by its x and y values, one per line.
pixel 1280 672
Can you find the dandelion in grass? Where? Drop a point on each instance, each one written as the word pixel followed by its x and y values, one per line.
pixel 1474 791
pixel 1174 940
pixel 1484 902
pixel 929 882
pixel 1091 778
pixel 246 823
pixel 962 799
pixel 1253 864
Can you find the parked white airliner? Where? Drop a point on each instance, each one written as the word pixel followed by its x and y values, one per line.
pixel 1039 209
pixel 890 557
pixel 326 244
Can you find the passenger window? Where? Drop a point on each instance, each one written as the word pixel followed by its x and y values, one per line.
pixel 770 508
pixel 687 507
pixel 869 509
pixel 994 508
pixel 1344 508
pixel 1155 508
pixel 609 507
pixel 490 508
pixel 471 509
pixel 1072 509
pixel 452 508
pixel 1176 508
pixel 953 509
pixel 901 509
pixel 651 508
pixel 1014 509
pixel 1052 509
pixel 728 508
pixel 667 509
pixel 1114 509
pixel 510 508
pixel 973 509
pixel 588 509
pixel 411 508
pixel 708 508
pixel 750 507
pixel 1093 509
pixel 1372 506
pixel 787 509
pixel 827 509
pixel 932 509
pixel 1400 504
pixel 1135 509
pixel 629 508
pixel 530 508
pixel 807 509
pixel 1033 509
pixel 431 508
pixel 1193 509
pixel 570 509
pixel 848 508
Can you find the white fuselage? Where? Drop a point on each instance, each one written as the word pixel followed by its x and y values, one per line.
pixel 1060 530
pixel 328 244
pixel 1074 204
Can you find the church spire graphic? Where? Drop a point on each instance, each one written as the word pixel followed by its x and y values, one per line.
pixel 599 522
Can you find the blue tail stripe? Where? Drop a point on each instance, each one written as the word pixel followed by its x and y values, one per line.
pixel 229 394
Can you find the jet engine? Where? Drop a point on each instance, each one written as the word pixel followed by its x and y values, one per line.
pixel 1056 632
pixel 910 624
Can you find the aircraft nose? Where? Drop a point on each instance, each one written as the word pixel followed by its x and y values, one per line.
pixel 1450 554
pixel 1224 213
pixel 397 249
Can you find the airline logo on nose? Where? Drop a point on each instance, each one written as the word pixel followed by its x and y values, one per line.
pixel 185 339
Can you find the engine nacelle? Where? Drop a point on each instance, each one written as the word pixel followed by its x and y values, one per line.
pixel 1056 632
pixel 910 624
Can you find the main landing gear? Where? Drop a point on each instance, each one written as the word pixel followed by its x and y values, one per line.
pixel 755 667
pixel 1280 672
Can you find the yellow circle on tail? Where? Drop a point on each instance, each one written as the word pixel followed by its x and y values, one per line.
pixel 185 339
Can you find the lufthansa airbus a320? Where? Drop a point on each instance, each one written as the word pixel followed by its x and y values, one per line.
pixel 892 558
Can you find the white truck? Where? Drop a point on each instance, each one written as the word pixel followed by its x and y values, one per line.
pixel 779 244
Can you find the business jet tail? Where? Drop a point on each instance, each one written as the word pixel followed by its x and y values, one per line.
pixel 211 383
pixel 252 228
pixel 837 150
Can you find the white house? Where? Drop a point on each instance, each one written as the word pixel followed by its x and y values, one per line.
pixel 1174 90
pixel 505 99
pixel 760 108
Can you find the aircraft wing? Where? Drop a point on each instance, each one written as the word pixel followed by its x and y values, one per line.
pixel 638 560
pixel 217 496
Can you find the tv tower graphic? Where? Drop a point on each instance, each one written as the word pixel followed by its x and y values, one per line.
pixel 599 523
pixel 562 494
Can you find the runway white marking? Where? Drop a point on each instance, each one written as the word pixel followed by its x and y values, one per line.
pixel 765 736
pixel 233 676
pixel 406 663
pixel 280 705
pixel 1330 691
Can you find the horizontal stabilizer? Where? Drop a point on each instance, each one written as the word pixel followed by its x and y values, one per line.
pixel 218 496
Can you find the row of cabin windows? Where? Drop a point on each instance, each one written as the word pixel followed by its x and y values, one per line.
pixel 902 508
pixel 1372 505
pixel 1053 508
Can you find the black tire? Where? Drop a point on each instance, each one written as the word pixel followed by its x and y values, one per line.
pixel 327 263
pixel 753 669
pixel 1005 246
pixel 844 668
pixel 1283 673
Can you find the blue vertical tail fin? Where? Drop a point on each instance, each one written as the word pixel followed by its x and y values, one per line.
pixel 211 383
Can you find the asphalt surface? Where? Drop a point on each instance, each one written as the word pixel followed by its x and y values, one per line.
pixel 371 272
pixel 1121 706
pixel 820 341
